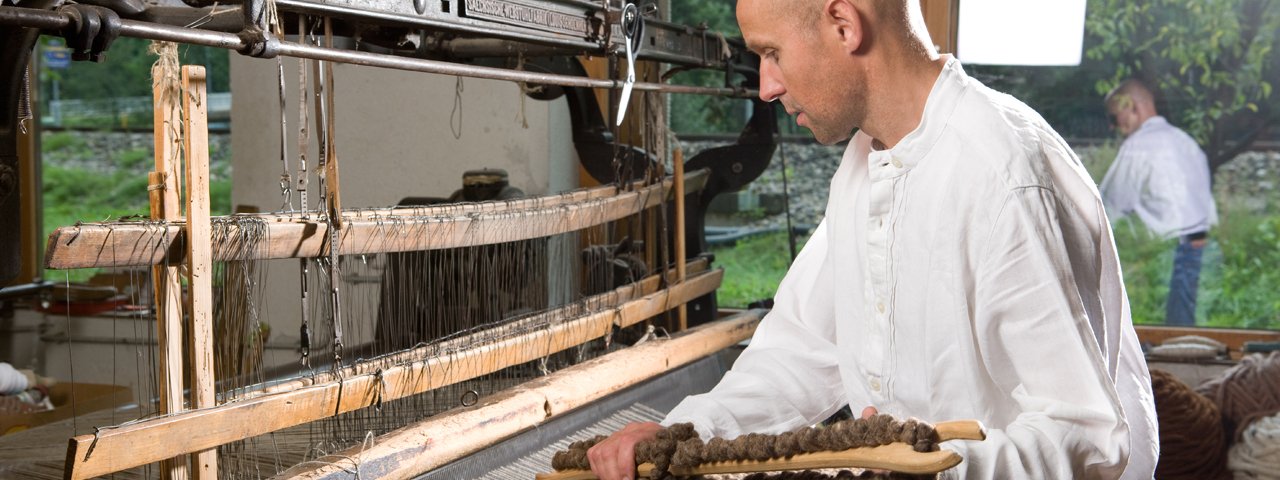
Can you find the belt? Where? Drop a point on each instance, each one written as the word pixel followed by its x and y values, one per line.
pixel 1191 237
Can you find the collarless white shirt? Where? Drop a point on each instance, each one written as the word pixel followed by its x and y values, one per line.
pixel 967 273
pixel 1162 176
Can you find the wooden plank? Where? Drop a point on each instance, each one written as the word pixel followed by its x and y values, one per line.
pixel 128 446
pixel 330 174
pixel 199 256
pixel 411 451
pixel 163 188
pixel 1234 338
pixel 678 161
pixel 365 231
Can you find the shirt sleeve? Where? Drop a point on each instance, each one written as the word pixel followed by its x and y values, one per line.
pixel 788 376
pixel 1122 185
pixel 1038 347
pixel 11 380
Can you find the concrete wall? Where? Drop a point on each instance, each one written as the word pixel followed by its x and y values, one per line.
pixel 394 140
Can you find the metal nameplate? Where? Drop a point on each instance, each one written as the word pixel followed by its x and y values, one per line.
pixel 522 14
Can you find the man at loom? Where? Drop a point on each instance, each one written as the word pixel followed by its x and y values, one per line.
pixel 965 267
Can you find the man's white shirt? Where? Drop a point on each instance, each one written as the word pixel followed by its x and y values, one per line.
pixel 966 273
pixel 1162 176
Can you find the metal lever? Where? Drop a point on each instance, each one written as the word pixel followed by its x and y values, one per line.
pixel 632 31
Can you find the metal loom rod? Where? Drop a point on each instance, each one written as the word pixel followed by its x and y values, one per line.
pixel 127 446
pixel 366 232
pixel 55 20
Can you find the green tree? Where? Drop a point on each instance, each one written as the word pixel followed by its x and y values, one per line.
pixel 1212 60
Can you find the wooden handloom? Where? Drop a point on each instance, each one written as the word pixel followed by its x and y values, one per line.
pixel 197 412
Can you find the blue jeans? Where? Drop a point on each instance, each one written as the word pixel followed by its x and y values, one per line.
pixel 1180 309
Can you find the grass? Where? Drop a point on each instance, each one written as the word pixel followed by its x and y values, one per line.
pixel 753 268
pixel 72 194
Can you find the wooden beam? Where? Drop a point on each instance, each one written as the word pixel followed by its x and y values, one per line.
pixel 116 449
pixel 195 135
pixel 1233 338
pixel 163 188
pixel 364 231
pixel 411 451
pixel 677 160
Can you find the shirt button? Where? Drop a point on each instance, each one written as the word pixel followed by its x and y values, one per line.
pixel 880 307
pixel 896 162
pixel 875 384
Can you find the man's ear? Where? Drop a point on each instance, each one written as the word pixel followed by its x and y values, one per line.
pixel 847 22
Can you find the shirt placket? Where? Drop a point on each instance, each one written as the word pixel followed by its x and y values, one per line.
pixel 876 288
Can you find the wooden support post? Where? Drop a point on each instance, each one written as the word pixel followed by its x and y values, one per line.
pixel 677 160
pixel 331 151
pixel 199 254
pixel 163 189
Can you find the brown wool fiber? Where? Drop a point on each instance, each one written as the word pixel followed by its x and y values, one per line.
pixel 841 475
pixel 1246 392
pixel 679 445
pixel 1192 442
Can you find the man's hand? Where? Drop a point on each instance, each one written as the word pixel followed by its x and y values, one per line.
pixel 615 457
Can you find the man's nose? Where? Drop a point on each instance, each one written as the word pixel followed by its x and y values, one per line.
pixel 770 82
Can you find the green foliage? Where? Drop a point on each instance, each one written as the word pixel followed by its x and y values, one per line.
pixel 1147 263
pixel 753 268
pixel 1238 280
pixel 1240 290
pixel 700 114
pixel 1213 61
pixel 125 72
pixel 63 141
pixel 75 194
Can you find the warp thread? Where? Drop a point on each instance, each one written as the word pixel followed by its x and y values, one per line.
pixel 1257 454
pixel 1193 444
pixel 679 445
pixel 1246 392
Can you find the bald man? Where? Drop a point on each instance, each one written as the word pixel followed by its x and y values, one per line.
pixel 1161 176
pixel 964 269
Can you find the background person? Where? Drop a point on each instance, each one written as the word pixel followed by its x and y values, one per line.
pixel 1161 176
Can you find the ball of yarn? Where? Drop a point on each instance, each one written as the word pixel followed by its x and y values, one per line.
pixel 1192 441
pixel 1257 454
pixel 1247 391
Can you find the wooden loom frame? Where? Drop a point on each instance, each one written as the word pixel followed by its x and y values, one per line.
pixel 175 240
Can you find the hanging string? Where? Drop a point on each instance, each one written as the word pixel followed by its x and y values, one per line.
pixel 457 110
pixel 786 202
pixel 170 79
pixel 24 102
pixel 286 179
pixel 525 91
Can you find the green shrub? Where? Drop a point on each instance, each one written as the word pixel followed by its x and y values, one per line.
pixel 752 268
